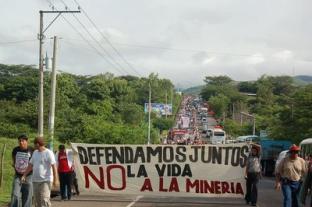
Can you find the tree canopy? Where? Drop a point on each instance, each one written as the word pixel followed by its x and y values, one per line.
pixel 281 108
pixel 98 109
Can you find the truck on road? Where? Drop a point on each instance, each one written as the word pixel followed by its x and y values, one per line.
pixel 217 135
pixel 270 150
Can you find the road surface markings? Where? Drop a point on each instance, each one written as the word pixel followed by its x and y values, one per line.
pixel 136 200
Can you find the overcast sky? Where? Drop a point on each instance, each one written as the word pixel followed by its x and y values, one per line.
pixel 183 40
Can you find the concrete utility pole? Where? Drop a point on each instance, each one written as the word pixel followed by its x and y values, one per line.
pixel 40 107
pixel 254 121
pixel 233 112
pixel 41 78
pixel 166 108
pixel 52 97
pixel 149 114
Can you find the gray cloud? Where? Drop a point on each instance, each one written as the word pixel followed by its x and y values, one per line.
pixel 181 40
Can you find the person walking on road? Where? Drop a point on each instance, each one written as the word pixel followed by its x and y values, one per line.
pixel 42 164
pixel 289 176
pixel 307 183
pixel 64 162
pixel 252 175
pixel 22 191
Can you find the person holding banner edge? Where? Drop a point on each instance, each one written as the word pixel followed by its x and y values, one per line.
pixel 22 191
pixel 64 163
pixel 252 176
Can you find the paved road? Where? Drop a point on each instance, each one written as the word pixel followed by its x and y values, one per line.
pixel 268 197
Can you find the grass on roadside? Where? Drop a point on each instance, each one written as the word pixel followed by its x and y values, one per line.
pixel 8 170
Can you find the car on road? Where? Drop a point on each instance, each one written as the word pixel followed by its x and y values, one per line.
pixel 247 138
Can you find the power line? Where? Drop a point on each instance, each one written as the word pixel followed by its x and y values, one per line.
pixel 17 42
pixel 97 42
pixel 182 49
pixel 188 50
pixel 86 40
pixel 106 39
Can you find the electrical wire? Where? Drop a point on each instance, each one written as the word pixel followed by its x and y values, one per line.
pixel 97 42
pixel 86 40
pixel 106 39
pixel 181 49
pixel 16 42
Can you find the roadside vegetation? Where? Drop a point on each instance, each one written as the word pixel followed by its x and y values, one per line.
pixel 90 109
pixel 280 107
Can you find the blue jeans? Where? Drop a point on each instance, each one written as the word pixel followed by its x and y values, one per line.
pixel 22 192
pixel 291 191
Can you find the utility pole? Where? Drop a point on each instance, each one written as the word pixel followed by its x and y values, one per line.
pixel 172 91
pixel 40 108
pixel 149 114
pixel 166 108
pixel 233 112
pixel 41 78
pixel 254 121
pixel 52 97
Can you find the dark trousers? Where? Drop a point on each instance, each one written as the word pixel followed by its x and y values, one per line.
pixel 252 187
pixel 65 184
pixel 75 183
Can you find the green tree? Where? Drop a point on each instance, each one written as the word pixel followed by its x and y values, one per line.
pixel 219 104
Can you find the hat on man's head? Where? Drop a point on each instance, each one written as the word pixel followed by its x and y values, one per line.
pixel 22 136
pixel 294 148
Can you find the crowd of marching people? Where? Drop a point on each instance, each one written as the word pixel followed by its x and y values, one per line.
pixel 37 171
pixel 293 177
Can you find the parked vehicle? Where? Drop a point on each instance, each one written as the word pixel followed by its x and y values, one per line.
pixel 248 138
pixel 270 150
pixel 306 147
pixel 218 136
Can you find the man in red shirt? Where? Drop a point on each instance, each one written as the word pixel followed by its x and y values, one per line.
pixel 64 162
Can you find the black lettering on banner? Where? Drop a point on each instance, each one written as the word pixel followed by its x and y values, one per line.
pixel 227 151
pixel 128 155
pixel 176 170
pixel 99 154
pixel 160 171
pixel 129 172
pixel 91 155
pixel 194 157
pixel 244 157
pixel 203 155
pixel 187 171
pixel 108 155
pixel 154 152
pixel 216 154
pixel 180 156
pixel 142 171
pixel 168 156
pixel 83 155
pixel 139 154
pixel 235 156
pixel 117 155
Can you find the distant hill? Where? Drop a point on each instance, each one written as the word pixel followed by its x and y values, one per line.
pixel 302 79
pixel 193 90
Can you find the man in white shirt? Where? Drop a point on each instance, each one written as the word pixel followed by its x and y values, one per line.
pixel 42 164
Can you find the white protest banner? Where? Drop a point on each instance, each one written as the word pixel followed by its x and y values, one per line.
pixel 164 170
